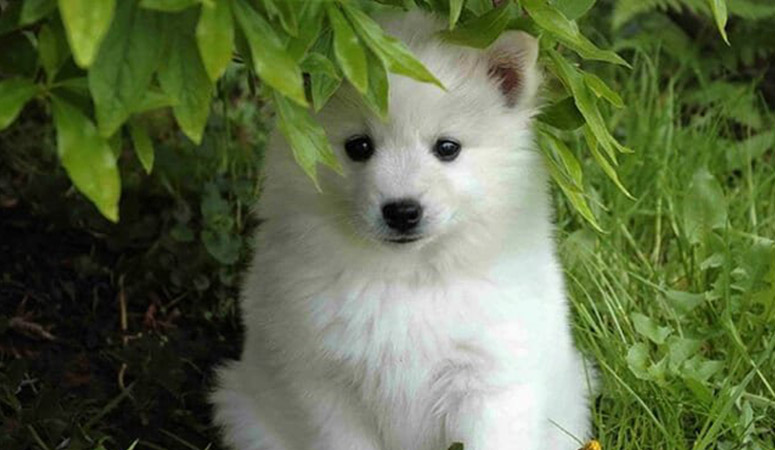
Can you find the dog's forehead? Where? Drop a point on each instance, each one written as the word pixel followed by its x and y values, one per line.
pixel 411 100
pixel 422 108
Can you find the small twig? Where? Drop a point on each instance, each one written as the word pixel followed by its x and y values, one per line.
pixel 8 202
pixel 111 405
pixel 30 329
pixel 121 373
pixel 37 438
pixel 179 439
pixel 149 319
pixel 21 308
pixel 124 322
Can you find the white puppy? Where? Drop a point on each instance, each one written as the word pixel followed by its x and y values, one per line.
pixel 416 301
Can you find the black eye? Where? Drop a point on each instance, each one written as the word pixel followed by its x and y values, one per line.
pixel 446 150
pixel 359 148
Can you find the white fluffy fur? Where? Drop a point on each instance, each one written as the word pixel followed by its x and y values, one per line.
pixel 357 344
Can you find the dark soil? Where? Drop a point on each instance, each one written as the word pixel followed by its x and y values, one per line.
pixel 71 375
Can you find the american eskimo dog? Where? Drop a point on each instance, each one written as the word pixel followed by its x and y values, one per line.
pixel 416 301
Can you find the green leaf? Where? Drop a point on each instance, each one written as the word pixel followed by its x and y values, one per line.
pixel 323 86
pixel 646 327
pixel 602 161
pixel 552 20
pixel 78 85
pixel 742 153
pixel 569 160
pixel 215 36
pixel 348 50
pixel 396 57
pixel 86 23
pixel 658 371
pixel 719 10
pixel 759 266
pixel 311 19
pixel 216 211
pixel 680 349
pixel 270 60
pixel 116 143
pixel 52 49
pixel 222 246
pixel 701 392
pixel 573 9
pixel 87 158
pixel 684 302
pixel 154 99
pixel 567 174
pixel 481 31
pixel 142 144
pixel 317 63
pixel 573 79
pixel 14 94
pixel 306 137
pixel 704 208
pixel 713 261
pixel 379 89
pixel 34 10
pixel 455 8
pixel 287 13
pixel 127 59
pixel 168 5
pixel 701 369
pixel 576 198
pixel 638 360
pixel 562 114
pixel 456 446
pixel 601 89
pixel 184 78
pixel 751 9
pixel 595 130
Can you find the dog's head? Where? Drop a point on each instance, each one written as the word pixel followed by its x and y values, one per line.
pixel 456 162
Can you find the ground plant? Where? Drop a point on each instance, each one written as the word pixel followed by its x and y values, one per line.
pixel 131 141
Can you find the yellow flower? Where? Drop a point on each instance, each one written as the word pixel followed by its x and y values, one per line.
pixel 592 445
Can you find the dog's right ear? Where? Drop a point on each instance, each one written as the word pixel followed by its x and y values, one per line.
pixel 511 63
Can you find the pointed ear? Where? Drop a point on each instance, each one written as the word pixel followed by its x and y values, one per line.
pixel 511 61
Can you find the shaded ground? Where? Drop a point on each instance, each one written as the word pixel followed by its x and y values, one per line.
pixel 99 356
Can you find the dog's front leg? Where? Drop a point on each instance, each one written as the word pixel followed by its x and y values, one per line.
pixel 508 419
pixel 341 424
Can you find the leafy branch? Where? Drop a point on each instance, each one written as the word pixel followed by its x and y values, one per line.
pixel 100 67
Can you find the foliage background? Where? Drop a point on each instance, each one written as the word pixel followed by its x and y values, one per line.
pixel 108 331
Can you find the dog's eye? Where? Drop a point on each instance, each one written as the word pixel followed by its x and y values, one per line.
pixel 359 148
pixel 446 150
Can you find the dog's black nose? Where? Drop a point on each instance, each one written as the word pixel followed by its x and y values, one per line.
pixel 402 215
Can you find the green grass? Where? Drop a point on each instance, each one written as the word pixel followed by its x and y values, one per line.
pixel 674 305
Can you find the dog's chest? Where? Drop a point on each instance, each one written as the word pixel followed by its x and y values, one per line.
pixel 394 322
pixel 408 352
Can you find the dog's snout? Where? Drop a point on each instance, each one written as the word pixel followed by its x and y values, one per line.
pixel 402 215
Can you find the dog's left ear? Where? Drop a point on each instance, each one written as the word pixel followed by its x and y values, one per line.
pixel 511 63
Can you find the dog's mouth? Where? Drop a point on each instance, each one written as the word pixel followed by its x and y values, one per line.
pixel 403 239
